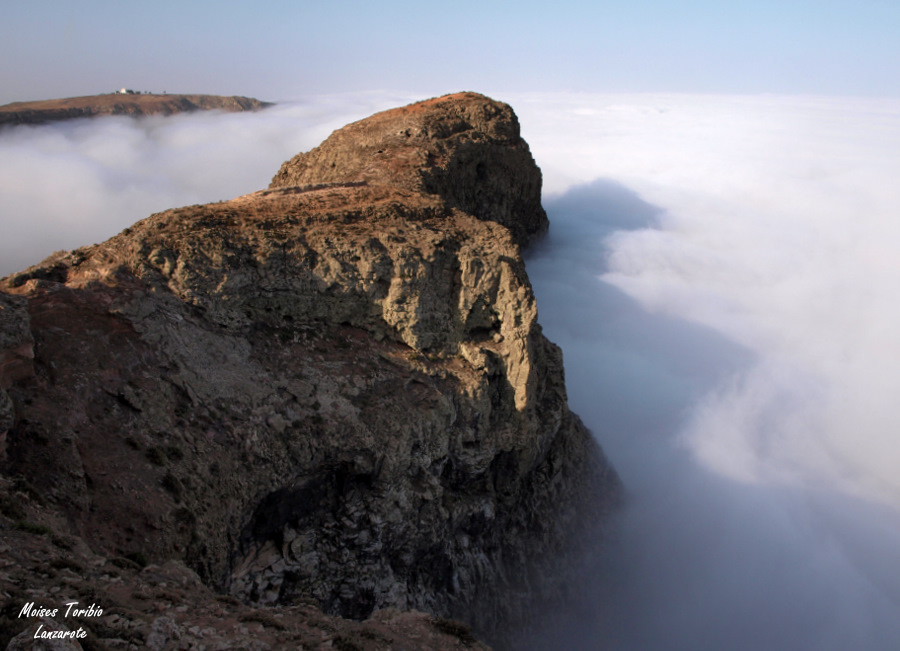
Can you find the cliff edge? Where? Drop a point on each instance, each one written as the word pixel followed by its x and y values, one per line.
pixel 331 394
pixel 464 148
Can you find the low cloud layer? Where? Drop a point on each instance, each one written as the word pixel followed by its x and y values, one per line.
pixel 721 273
pixel 725 294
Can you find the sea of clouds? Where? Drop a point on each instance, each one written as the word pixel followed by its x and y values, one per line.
pixel 722 274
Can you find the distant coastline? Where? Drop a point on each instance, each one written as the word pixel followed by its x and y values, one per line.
pixel 133 104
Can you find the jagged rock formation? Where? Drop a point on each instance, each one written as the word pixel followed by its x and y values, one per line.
pixel 53 110
pixel 333 391
pixel 469 153
pixel 166 606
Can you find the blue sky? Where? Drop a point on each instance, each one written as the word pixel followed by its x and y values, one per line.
pixel 285 50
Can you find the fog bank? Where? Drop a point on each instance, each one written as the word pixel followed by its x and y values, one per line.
pixel 724 294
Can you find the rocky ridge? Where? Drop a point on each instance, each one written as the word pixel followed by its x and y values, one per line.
pixel 332 392
pixel 54 110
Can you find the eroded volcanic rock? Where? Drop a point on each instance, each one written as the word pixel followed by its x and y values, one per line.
pixel 332 392
pixel 464 148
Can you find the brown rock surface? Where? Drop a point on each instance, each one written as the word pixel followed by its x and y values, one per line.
pixel 464 148
pixel 334 393
pixel 167 606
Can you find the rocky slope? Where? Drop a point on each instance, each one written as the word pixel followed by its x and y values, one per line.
pixel 53 110
pixel 331 392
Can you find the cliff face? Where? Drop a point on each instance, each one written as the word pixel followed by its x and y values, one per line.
pixel 333 391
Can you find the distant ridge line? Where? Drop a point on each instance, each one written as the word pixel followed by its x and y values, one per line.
pixel 54 110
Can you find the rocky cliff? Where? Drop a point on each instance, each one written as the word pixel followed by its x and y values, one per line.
pixel 332 392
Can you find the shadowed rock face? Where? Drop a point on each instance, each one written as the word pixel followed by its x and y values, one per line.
pixel 334 391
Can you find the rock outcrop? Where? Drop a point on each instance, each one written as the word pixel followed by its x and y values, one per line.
pixel 334 391
pixel 466 151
